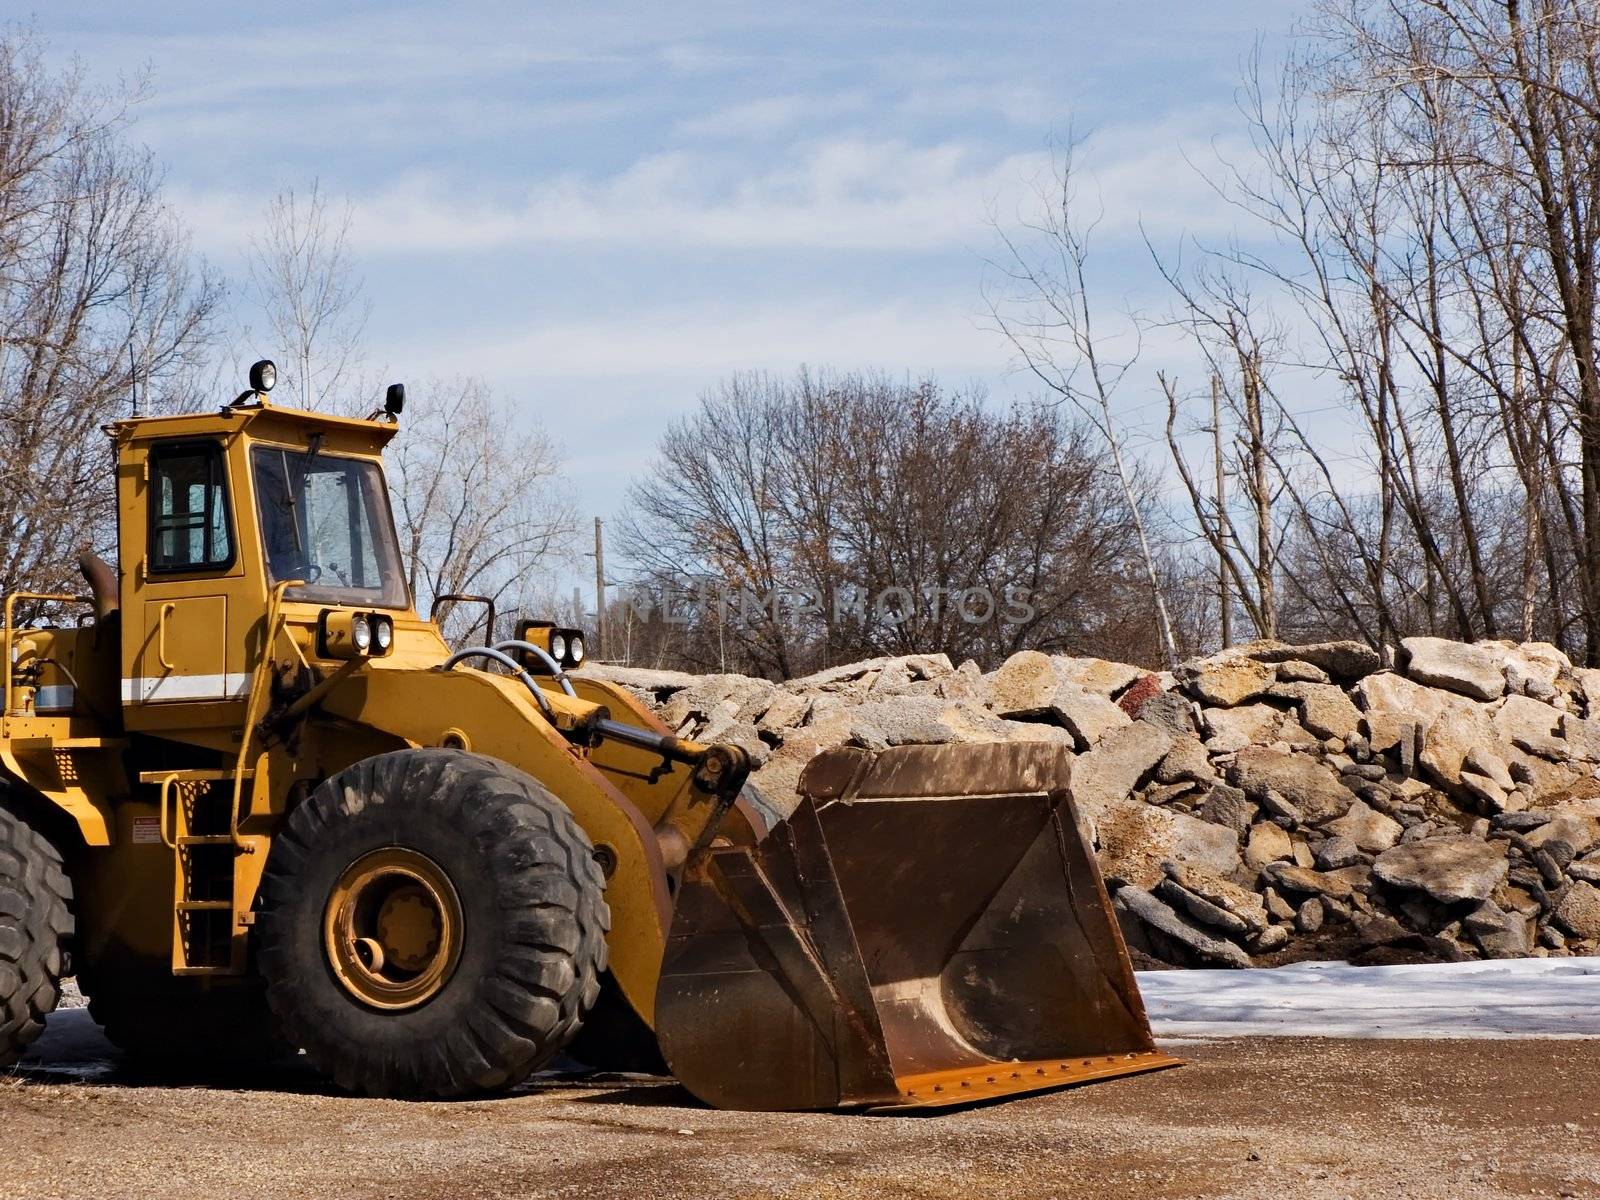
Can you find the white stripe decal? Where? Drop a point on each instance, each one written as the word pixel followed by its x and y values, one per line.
pixel 184 687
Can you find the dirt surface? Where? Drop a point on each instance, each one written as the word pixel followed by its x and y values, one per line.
pixel 1267 1117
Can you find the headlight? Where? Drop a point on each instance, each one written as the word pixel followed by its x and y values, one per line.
pixel 558 646
pixel 263 375
pixel 383 633
pixel 575 649
pixel 360 633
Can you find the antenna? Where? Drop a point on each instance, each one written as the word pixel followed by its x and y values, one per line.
pixel 133 378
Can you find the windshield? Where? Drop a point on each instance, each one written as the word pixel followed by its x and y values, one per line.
pixel 325 519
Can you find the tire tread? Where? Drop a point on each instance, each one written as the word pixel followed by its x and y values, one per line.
pixel 35 899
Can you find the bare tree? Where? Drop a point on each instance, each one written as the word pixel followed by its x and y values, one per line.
pixel 98 292
pixel 830 517
pixel 304 280
pixel 1044 309
pixel 480 501
pixel 482 509
pixel 1420 210
pixel 1238 345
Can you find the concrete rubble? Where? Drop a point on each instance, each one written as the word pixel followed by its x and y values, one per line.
pixel 1265 804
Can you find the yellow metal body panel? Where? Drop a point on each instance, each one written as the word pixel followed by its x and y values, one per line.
pixel 80 780
pixel 123 894
pixel 54 733
pixel 190 692
pixel 214 620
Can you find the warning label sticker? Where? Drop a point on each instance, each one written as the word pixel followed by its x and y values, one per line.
pixel 146 830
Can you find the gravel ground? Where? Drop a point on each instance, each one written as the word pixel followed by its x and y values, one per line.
pixel 1258 1117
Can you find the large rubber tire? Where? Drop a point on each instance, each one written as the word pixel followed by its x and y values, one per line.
pixel 35 928
pixel 533 917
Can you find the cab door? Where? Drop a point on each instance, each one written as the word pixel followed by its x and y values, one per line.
pixel 176 645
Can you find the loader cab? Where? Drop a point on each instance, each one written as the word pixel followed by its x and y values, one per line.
pixel 218 509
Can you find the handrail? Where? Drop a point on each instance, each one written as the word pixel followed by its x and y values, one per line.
pixel 6 638
pixel 167 780
pixel 444 598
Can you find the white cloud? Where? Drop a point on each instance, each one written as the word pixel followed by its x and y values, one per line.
pixel 706 341
pixel 771 115
pixel 839 193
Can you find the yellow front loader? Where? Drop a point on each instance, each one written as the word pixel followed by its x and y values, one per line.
pixel 255 803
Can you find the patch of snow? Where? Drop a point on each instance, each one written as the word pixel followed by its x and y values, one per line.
pixel 1532 998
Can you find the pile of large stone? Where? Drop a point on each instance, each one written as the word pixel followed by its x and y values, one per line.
pixel 1265 803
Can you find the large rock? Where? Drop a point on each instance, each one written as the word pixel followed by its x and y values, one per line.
pixel 1455 666
pixel 1368 828
pixel 1567 824
pixel 1229 729
pixel 1111 771
pixel 1165 710
pixel 1579 911
pixel 1087 714
pixel 1241 902
pixel 918 666
pixel 1228 680
pixel 1340 884
pixel 1186 933
pixel 1135 840
pixel 1587 681
pixel 1267 843
pixel 1032 685
pixel 1227 805
pixel 1449 868
pixel 1325 710
pixel 1521 719
pixel 913 720
pixel 1024 685
pixel 1186 761
pixel 1532 669
pixel 1499 934
pixel 1387 692
pixel 1552 781
pixel 1582 738
pixel 1098 675
pixel 1304 782
pixel 1196 906
pixel 1346 661
pixel 644 679
pixel 715 703
pixel 1020 731
pixel 784 711
pixel 1454 735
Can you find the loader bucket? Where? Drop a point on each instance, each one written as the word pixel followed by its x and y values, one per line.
pixel 927 929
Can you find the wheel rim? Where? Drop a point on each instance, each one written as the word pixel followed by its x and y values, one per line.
pixel 393 929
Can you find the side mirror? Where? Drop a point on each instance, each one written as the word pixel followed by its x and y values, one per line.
pixel 394 400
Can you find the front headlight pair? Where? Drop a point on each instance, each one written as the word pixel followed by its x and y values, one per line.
pixel 566 646
pixel 343 633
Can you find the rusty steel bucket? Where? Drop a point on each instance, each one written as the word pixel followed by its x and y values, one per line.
pixel 927 929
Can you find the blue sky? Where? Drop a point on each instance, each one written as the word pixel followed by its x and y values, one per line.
pixel 605 208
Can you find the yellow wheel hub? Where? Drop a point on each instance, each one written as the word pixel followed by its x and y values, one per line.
pixel 393 928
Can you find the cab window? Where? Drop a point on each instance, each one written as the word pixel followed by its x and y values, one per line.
pixel 325 521
pixel 189 525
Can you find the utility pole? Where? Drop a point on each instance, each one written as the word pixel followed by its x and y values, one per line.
pixel 599 591
pixel 1223 599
